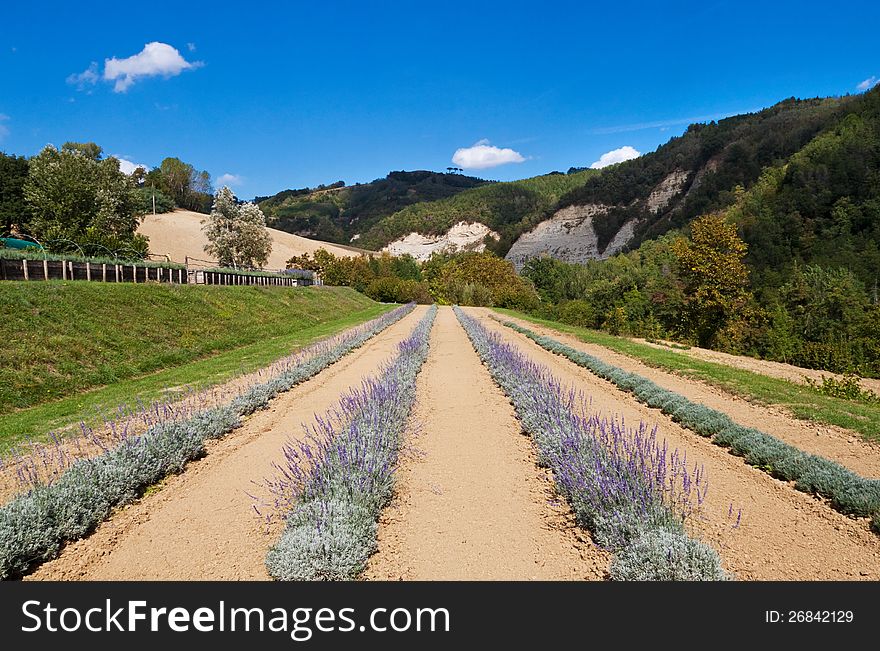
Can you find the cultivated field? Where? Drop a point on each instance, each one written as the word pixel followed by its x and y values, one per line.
pixel 398 452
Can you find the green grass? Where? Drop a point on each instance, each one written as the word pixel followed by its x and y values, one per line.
pixel 61 338
pixel 802 401
pixel 37 421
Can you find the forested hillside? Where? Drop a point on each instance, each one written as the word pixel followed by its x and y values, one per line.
pixel 509 209
pixel 338 213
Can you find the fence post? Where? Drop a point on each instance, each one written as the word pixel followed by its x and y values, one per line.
pixel 88 270
pixel 45 269
pixel 24 266
pixel 104 272
pixel 134 273
pixel 117 272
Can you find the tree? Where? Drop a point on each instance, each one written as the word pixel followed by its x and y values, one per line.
pixel 712 268
pixel 190 188
pixel 74 195
pixel 14 213
pixel 237 234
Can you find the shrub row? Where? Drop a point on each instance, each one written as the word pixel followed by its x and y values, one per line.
pixel 630 491
pixel 848 492
pixel 336 484
pixel 34 526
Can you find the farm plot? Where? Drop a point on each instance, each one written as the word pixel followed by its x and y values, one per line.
pixel 847 491
pixel 782 534
pixel 471 502
pixel 842 446
pixel 14 526
pixel 415 431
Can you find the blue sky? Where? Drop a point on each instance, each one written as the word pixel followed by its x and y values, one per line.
pixel 295 94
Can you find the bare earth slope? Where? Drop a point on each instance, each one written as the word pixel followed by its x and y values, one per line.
pixel 471 502
pixel 179 234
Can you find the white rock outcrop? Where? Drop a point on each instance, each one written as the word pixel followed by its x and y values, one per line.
pixel 463 236
pixel 662 194
pixel 568 235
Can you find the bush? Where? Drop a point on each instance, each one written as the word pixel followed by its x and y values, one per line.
pixel 664 555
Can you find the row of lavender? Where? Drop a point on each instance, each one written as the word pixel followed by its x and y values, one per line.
pixel 628 489
pixel 333 486
pixel 34 463
pixel 35 525
pixel 847 492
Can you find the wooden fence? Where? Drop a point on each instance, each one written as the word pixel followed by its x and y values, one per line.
pixel 44 269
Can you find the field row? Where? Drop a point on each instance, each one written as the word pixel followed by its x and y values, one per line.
pixel 381 484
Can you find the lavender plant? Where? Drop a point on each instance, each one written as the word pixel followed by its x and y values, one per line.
pixel 335 484
pixel 848 492
pixel 628 489
pixel 34 526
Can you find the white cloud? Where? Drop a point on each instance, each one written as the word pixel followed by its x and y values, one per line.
pixel 615 156
pixel 127 167
pixel 4 130
pixel 228 179
pixel 191 47
pixel 155 60
pixel 88 77
pixel 868 83
pixel 482 155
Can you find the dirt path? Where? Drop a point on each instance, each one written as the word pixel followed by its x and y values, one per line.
pixel 201 525
pixel 843 446
pixel 763 366
pixel 471 502
pixel 784 534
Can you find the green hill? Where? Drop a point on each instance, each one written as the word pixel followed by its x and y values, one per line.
pixel 509 208
pixel 338 213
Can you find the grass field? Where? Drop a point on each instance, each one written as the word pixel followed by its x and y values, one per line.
pixel 802 401
pixel 74 348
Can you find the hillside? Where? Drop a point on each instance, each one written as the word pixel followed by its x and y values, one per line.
pixel 65 338
pixel 690 175
pixel 179 234
pixel 506 209
pixel 340 213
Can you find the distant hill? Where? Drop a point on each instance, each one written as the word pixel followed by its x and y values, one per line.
pixel 179 234
pixel 338 213
pixel 508 209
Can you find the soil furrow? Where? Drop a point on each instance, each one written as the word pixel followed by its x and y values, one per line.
pixel 783 534
pixel 845 447
pixel 202 524
pixel 471 502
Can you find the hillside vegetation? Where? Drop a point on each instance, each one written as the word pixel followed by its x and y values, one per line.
pixel 509 208
pixel 717 158
pixel 63 338
pixel 337 212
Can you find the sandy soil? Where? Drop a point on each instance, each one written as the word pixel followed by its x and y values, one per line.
pixel 471 502
pixel 846 447
pixel 783 535
pixel 179 234
pixel 201 525
pixel 762 366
